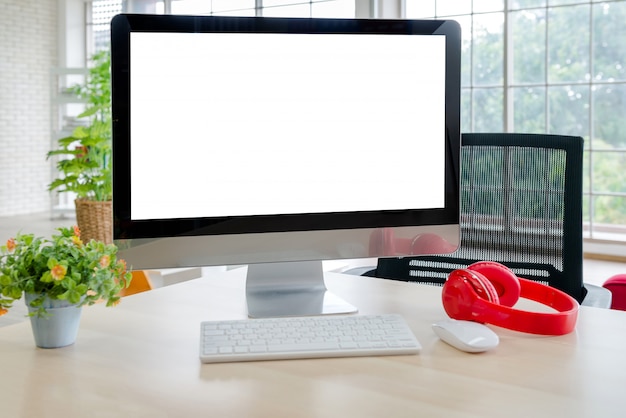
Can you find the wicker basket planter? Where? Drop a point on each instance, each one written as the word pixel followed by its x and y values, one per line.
pixel 95 220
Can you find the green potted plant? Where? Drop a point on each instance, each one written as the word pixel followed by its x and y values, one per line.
pixel 85 156
pixel 56 276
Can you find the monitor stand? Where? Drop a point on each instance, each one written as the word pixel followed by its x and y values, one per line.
pixel 291 289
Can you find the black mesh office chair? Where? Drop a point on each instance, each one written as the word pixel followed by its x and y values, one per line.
pixel 521 205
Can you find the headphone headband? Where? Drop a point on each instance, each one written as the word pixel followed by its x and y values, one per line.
pixel 462 301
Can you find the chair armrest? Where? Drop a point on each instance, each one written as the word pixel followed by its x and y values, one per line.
pixel 360 271
pixel 597 297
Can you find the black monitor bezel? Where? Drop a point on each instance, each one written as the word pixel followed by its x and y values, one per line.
pixel 126 228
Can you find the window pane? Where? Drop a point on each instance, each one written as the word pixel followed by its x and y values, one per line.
pixel 609 46
pixel 529 109
pixel 180 7
pixel 221 7
pixel 298 10
pixel 335 8
pixel 241 12
pixel 561 2
pixel 101 14
pixel 609 175
pixel 529 46
pixel 416 9
pixel 569 110
pixel 609 210
pixel 149 7
pixel 568 44
pixel 482 6
pixel 453 7
pixel 281 2
pixel 487 110
pixel 523 4
pixel 488 45
pixel 609 116
pixel 226 5
pixel 102 11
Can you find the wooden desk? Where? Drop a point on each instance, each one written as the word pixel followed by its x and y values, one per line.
pixel 141 360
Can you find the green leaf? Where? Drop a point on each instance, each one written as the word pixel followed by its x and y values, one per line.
pixel 68 283
pixel 80 132
pixel 61 152
pixel 16 293
pixel 89 112
pixel 5 280
pixel 113 301
pixel 74 296
pixel 52 262
pixel 67 141
pixel 46 277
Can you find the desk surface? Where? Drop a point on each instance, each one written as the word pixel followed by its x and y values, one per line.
pixel 141 359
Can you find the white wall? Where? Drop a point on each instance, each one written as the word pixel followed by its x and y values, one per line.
pixel 71 36
pixel 28 49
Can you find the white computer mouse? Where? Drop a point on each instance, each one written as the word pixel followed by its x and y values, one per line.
pixel 468 336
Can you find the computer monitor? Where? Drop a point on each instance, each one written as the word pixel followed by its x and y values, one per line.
pixel 278 142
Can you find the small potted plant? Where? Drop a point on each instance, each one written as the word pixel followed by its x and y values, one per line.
pixel 85 155
pixel 57 277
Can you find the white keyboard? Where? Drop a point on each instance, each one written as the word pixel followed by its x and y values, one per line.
pixel 306 337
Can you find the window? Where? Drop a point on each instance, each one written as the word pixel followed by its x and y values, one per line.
pixel 555 66
pixel 99 15
pixel 287 8
pixel 100 12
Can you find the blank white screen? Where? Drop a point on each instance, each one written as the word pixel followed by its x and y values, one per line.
pixel 256 124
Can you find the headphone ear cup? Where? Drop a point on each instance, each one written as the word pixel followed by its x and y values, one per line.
pixel 483 287
pixel 463 290
pixel 502 278
pixel 382 243
pixel 429 243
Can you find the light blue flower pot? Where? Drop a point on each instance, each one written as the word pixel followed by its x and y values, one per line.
pixel 59 327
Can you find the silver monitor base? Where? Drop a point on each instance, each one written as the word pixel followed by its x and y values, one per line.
pixel 291 289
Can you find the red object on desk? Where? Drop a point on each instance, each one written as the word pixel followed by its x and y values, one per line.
pixel 470 295
pixel 617 285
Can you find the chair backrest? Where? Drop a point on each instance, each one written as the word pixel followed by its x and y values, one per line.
pixel 521 205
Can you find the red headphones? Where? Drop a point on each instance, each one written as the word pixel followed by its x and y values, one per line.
pixel 486 291
pixel 384 242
